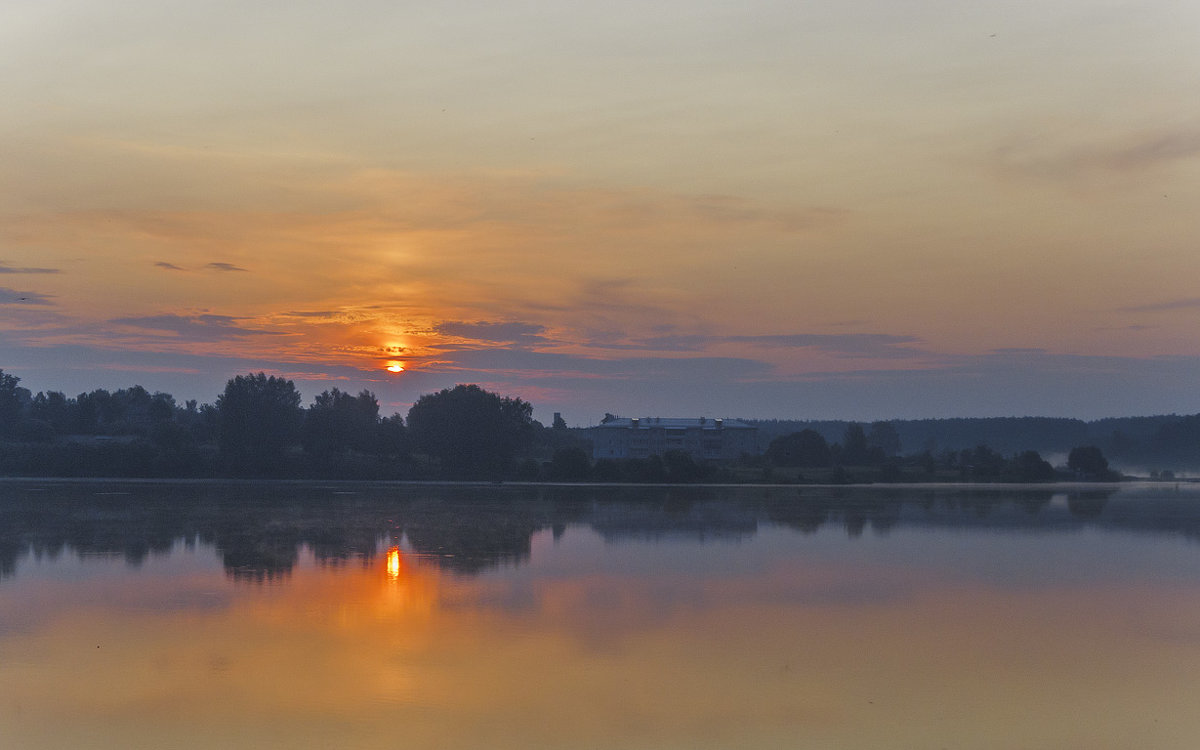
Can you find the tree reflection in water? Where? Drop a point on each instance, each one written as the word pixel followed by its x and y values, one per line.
pixel 259 529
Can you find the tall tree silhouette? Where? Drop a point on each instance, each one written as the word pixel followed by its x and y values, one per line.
pixel 471 431
pixel 10 403
pixel 258 418
pixel 338 422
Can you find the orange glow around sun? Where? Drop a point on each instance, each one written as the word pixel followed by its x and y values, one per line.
pixel 395 367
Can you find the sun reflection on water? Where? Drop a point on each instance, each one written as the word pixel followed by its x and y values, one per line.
pixel 394 563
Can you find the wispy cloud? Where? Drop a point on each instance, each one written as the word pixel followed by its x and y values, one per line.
pixel 1189 303
pixel 168 266
pixel 1043 157
pixel 16 297
pixel 848 344
pixel 224 267
pixel 540 365
pixel 5 268
pixel 873 345
pixel 206 328
pixel 1148 149
pixel 521 334
pixel 732 210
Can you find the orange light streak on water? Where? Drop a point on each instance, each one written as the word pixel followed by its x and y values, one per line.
pixel 395 563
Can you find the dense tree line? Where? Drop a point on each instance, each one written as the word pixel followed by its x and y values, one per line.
pixel 1154 442
pixel 258 427
pixel 874 455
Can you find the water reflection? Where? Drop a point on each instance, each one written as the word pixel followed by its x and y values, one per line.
pixel 260 529
pixel 247 616
pixel 394 563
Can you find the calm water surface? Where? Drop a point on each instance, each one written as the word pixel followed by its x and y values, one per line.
pixel 144 615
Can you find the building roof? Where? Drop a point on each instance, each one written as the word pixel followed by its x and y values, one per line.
pixel 675 423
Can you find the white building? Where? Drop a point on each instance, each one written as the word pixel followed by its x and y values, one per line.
pixel 703 439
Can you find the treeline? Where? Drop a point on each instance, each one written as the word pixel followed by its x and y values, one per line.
pixel 258 427
pixel 1164 442
pixel 875 456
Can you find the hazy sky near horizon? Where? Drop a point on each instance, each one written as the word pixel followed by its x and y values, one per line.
pixel 857 209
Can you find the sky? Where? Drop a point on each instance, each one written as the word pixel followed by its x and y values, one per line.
pixel 856 209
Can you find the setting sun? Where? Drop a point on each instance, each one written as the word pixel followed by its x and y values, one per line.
pixel 395 367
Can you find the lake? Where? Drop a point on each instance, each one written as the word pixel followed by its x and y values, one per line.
pixel 318 615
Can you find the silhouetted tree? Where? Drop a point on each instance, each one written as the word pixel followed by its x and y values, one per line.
pixel 1029 466
pixel 135 411
pixel 884 438
pixel 338 422
pixel 258 417
pixel 92 412
pixel 570 465
pixel 55 409
pixel 1178 441
pixel 854 450
pixel 804 448
pixel 1089 462
pixel 471 431
pixel 10 403
pixel 981 463
pixel 392 437
pixel 679 466
pixel 890 471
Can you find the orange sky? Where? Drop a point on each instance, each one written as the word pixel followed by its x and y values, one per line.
pixel 739 209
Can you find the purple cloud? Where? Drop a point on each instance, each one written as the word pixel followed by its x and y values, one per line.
pixel 494 333
pixel 193 327
pixel 15 297
pixel 877 345
pixel 1189 303
pixel 5 268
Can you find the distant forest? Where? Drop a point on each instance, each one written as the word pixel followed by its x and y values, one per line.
pixel 1136 444
pixel 259 428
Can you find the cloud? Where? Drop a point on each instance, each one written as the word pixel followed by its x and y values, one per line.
pixel 314 314
pixel 206 328
pixel 5 268
pixel 1018 350
pixel 224 267
pixel 727 209
pixel 168 266
pixel 1189 303
pixel 848 344
pixel 1040 157
pixel 15 297
pixel 536 366
pixel 873 345
pixel 524 334
pixel 1150 149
